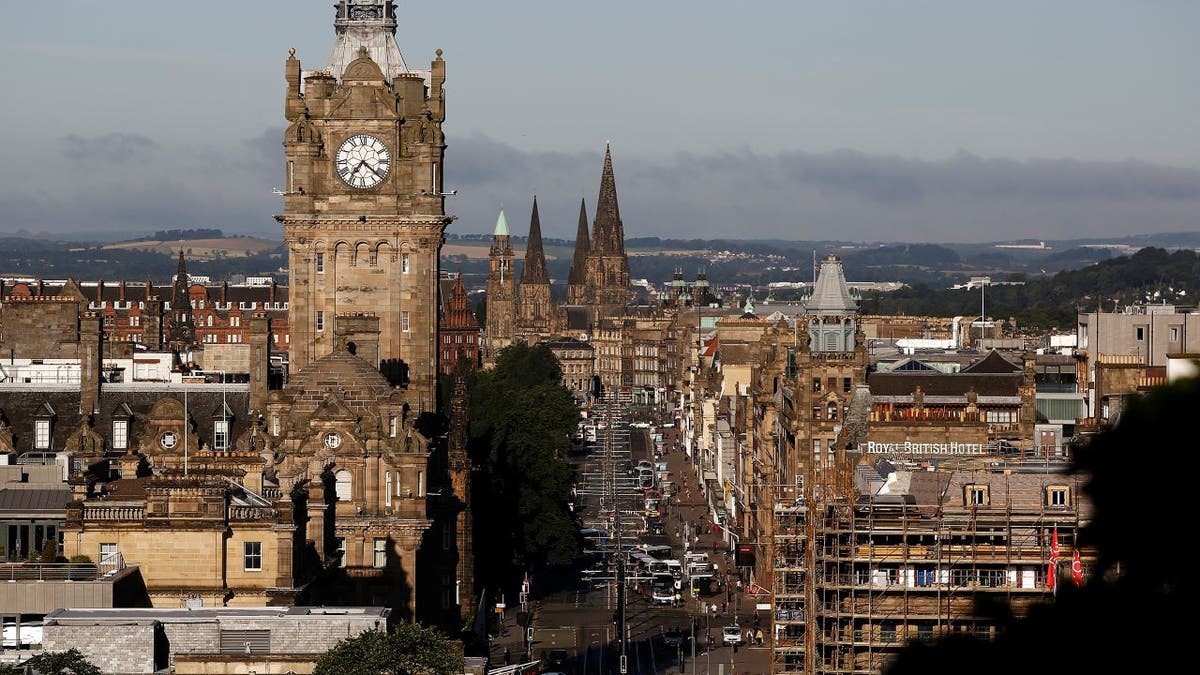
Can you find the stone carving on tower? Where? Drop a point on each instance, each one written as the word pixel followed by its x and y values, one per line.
pixel 364 206
pixel 501 293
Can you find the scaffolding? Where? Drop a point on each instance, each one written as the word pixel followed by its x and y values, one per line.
pixel 856 575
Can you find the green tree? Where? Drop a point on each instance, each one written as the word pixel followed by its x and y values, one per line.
pixel 70 662
pixel 522 419
pixel 408 649
pixel 1131 609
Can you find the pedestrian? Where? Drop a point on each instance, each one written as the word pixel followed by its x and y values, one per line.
pixel 759 636
pixel 724 606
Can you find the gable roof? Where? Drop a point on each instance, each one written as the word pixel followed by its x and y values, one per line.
pixel 992 364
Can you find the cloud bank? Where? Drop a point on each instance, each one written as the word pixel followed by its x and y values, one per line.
pixel 128 182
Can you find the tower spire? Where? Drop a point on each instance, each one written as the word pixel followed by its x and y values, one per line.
pixel 582 244
pixel 534 271
pixel 608 234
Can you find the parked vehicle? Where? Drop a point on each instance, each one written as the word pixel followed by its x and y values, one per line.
pixel 732 635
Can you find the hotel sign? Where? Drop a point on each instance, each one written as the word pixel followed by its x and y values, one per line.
pixel 913 448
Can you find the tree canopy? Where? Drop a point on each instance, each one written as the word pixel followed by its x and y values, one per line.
pixel 408 649
pixel 70 662
pixel 522 419
pixel 1131 609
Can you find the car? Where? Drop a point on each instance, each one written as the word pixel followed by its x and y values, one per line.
pixel 674 638
pixel 645 464
pixel 731 635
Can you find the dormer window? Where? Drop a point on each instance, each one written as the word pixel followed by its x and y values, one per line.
pixel 41 434
pixel 976 495
pixel 42 427
pixel 1058 495
pixel 222 418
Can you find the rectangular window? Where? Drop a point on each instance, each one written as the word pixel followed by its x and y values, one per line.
pixel 393 425
pixel 1139 333
pixel 107 549
pixel 1056 496
pixel 404 263
pixel 120 437
pixel 379 557
pixel 977 496
pixel 320 263
pixel 275 425
pixel 404 321
pixel 1174 333
pixel 341 551
pixel 420 483
pixel 41 434
pixel 846 384
pixel 252 556
pixel 320 321
pixel 221 434
pixel 816 384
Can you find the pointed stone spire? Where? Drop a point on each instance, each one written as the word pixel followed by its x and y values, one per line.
pixel 583 243
pixel 534 271
pixel 183 325
pixel 608 234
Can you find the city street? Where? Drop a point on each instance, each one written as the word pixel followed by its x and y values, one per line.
pixel 591 613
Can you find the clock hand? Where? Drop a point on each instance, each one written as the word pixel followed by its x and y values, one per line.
pixel 374 171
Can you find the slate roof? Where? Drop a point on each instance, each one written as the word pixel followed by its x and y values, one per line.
pixel 34 501
pixel 992 364
pixel 20 405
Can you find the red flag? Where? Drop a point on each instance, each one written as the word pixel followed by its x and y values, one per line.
pixel 1052 567
pixel 1076 568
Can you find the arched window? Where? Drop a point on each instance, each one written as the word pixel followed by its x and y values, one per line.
pixel 345 486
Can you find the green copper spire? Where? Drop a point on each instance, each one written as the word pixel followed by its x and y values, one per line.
pixel 501 226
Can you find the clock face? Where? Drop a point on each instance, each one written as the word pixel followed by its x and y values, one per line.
pixel 333 440
pixel 168 440
pixel 362 161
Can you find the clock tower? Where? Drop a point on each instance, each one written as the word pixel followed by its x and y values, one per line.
pixel 364 207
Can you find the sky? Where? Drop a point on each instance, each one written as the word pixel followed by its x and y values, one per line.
pixel 855 120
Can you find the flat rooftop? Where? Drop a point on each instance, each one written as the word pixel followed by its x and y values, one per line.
pixel 183 614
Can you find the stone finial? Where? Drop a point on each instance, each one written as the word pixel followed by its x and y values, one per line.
pixel 438 53
pixel 362 52
pixel 292 53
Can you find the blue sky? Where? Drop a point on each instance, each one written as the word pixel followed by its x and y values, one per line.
pixel 924 121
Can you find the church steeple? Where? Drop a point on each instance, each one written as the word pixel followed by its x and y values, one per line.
pixel 577 281
pixel 534 271
pixel 608 233
pixel 182 335
pixel 607 266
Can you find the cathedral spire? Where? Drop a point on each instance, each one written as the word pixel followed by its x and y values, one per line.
pixel 608 234
pixel 534 271
pixel 582 244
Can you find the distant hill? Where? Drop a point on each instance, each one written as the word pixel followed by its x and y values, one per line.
pixel 200 249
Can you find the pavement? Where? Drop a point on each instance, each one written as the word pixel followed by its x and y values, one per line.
pixel 590 614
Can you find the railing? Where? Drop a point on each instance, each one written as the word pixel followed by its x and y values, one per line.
pixel 111 564
pixel 93 512
pixel 251 513
pixel 48 571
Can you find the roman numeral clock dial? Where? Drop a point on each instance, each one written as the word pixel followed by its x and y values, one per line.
pixel 362 161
